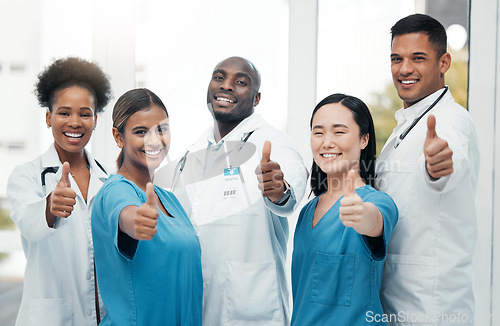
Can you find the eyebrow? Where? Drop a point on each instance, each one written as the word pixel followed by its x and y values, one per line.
pixel 337 125
pixel 144 127
pixel 238 74
pixel 414 53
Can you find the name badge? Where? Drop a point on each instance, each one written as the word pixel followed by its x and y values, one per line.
pixel 231 180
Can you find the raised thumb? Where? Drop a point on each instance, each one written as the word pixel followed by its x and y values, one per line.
pixel 65 174
pixel 431 127
pixel 266 152
pixel 150 193
pixel 349 188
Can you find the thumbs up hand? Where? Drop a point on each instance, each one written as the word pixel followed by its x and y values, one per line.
pixel 438 155
pixel 270 176
pixel 62 199
pixel 141 224
pixel 363 217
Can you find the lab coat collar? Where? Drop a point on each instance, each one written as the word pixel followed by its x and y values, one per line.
pixel 246 126
pixel 415 110
pixel 97 176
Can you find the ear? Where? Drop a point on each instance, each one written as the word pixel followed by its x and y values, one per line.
pixel 257 99
pixel 95 121
pixel 118 137
pixel 364 141
pixel 445 63
pixel 48 116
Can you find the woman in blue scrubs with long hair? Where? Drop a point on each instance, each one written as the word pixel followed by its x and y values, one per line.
pixel 147 253
pixel 342 234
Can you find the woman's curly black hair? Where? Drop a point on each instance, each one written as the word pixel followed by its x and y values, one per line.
pixel 72 71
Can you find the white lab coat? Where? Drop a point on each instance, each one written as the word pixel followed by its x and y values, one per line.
pixel 428 270
pixel 243 237
pixel 59 277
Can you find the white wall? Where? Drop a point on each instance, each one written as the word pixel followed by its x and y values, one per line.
pixel 484 91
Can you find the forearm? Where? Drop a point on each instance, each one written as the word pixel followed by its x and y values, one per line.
pixel 374 221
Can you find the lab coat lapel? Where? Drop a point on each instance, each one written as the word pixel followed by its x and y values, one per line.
pixel 97 177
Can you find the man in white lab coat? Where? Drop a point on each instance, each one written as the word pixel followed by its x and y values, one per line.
pixel 237 189
pixel 429 166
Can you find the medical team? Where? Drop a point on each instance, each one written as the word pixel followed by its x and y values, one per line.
pixel 383 242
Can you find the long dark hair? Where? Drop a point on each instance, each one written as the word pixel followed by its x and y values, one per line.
pixel 133 101
pixel 364 120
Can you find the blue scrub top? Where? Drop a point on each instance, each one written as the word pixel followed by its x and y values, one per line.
pixel 150 282
pixel 336 277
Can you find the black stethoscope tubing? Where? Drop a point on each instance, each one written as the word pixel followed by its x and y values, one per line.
pixel 414 123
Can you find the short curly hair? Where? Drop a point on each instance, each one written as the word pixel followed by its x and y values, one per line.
pixel 72 71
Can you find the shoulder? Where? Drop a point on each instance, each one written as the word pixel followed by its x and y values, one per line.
pixel 118 183
pixel 370 194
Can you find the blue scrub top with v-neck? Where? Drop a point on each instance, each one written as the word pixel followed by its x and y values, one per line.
pixel 150 282
pixel 336 277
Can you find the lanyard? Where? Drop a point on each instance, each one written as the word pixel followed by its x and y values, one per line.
pixel 413 124
pixel 182 162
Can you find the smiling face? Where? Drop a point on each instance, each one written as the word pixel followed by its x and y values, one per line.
pixel 233 90
pixel 335 141
pixel 417 71
pixel 145 139
pixel 72 118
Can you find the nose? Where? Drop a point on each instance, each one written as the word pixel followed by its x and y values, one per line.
pixel 75 121
pixel 328 141
pixel 227 85
pixel 153 138
pixel 406 67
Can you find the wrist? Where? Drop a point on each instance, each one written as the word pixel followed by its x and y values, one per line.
pixel 286 195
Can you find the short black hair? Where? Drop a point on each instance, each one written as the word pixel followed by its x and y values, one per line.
pixel 423 23
pixel 72 71
pixel 363 119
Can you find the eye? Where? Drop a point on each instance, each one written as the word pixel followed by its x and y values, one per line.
pixel 317 133
pixel 86 115
pixel 64 114
pixel 339 132
pixel 140 132
pixel 419 59
pixel 241 82
pixel 395 59
pixel 162 129
pixel 217 77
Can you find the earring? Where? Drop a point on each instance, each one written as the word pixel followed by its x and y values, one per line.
pixel 48 126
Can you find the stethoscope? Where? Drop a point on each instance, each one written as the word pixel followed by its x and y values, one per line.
pixel 414 123
pixel 54 169
pixel 182 162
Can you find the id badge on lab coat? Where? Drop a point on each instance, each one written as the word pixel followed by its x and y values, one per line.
pixel 231 187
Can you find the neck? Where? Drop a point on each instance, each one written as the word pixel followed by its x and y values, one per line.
pixel 137 176
pixel 222 128
pixel 77 159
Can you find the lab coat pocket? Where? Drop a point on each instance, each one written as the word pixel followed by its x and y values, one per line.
pixel 333 279
pixel 252 292
pixel 394 178
pixel 54 312
pixel 408 286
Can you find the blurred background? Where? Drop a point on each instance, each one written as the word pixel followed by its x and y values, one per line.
pixel 304 49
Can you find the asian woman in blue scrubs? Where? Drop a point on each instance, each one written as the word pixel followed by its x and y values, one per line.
pixel 342 234
pixel 147 253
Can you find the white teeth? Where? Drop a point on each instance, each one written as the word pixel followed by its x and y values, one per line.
pixel 330 155
pixel 72 135
pixel 152 153
pixel 223 99
pixel 407 82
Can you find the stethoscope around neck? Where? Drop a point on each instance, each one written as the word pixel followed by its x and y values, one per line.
pixel 414 123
